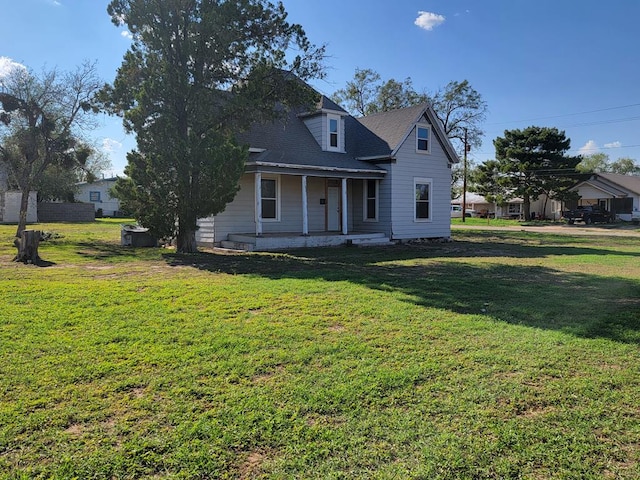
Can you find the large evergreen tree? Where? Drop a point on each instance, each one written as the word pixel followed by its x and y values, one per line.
pixel 197 73
pixel 528 163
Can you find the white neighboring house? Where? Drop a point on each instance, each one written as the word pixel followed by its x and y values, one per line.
pixel 620 194
pixel 513 208
pixel 10 203
pixel 98 193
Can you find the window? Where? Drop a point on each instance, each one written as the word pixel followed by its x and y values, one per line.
pixel 269 192
pixel 423 139
pixel 513 208
pixel 94 196
pixel 333 127
pixel 370 200
pixel 422 199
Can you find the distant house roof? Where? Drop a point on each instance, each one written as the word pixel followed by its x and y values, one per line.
pixel 613 184
pixel 110 179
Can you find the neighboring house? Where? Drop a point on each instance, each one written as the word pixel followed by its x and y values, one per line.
pixel 326 178
pixel 619 194
pixel 98 193
pixel 10 202
pixel 513 208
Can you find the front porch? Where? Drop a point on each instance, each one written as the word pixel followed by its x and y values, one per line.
pixel 281 241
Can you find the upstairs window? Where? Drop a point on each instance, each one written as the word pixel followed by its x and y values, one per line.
pixel 334 134
pixel 94 196
pixel 423 139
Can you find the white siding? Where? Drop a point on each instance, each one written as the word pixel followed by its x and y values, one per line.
pixel 108 204
pixel 238 216
pixel 411 165
pixel 315 126
pixel 10 212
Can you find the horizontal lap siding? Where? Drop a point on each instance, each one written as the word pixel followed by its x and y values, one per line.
pixel 410 165
pixel 238 216
pixel 383 225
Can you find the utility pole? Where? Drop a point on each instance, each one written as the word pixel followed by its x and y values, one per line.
pixel 464 179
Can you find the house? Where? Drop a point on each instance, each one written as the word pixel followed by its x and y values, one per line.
pixel 512 208
pixel 10 202
pixel 97 192
pixel 619 194
pixel 324 177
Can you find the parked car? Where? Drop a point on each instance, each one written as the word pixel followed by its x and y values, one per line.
pixel 456 212
pixel 587 214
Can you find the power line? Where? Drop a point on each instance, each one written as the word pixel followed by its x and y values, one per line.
pixel 566 114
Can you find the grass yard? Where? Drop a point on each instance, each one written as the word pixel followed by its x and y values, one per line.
pixel 499 355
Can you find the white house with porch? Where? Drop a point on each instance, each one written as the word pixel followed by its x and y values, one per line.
pixel 326 178
pixel 619 194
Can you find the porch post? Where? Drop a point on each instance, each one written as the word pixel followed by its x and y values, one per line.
pixel 344 206
pixel 305 213
pixel 258 203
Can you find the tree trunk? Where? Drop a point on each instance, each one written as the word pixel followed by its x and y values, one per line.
pixel 27 244
pixel 527 207
pixel 186 241
pixel 24 207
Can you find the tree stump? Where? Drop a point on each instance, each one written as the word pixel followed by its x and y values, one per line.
pixel 27 245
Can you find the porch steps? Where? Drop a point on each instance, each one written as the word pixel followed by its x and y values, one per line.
pixel 372 242
pixel 240 246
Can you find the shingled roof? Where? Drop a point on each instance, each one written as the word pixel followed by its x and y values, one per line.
pixel 288 142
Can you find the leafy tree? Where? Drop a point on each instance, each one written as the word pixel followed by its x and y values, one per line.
pixel 624 166
pixel 461 109
pixel 528 163
pixel 599 163
pixel 360 95
pixel 197 73
pixel 41 125
pixel 593 163
pixel 367 94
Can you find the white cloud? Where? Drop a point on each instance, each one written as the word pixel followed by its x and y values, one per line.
pixel 126 34
pixel 589 148
pixel 613 145
pixel 7 66
pixel 428 20
pixel 110 145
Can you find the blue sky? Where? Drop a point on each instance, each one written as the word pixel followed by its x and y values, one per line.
pixel 572 65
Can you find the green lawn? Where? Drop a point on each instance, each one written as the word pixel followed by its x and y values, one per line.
pixel 499 355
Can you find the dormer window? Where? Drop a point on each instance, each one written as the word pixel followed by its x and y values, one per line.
pixel 334 133
pixel 423 139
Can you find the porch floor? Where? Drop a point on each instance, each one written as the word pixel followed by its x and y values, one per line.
pixel 281 241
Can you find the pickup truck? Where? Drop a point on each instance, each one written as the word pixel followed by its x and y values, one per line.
pixel 587 214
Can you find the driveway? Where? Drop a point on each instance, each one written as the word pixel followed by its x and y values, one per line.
pixel 562 229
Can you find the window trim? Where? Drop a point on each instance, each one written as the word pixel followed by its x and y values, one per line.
pixel 338 119
pixel 428 139
pixel 365 200
pixel 275 178
pixel 422 181
pixel 93 194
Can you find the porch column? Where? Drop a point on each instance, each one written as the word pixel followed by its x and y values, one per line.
pixel 344 206
pixel 305 212
pixel 258 205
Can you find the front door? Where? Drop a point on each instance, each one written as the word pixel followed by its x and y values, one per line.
pixel 333 209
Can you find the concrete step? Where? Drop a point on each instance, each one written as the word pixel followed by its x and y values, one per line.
pixel 240 246
pixel 372 242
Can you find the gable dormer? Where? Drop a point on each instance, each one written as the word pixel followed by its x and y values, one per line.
pixel 327 125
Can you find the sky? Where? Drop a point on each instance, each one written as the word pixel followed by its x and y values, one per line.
pixel 574 65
